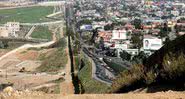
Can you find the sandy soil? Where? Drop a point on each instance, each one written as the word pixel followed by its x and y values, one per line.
pixel 3 51
pixel 67 86
pixel 160 95
pixel 12 64
pixel 27 55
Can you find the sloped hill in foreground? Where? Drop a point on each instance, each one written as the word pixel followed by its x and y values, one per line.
pixel 165 68
pixel 159 95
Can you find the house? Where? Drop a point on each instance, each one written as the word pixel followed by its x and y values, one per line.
pixel 10 29
pixel 155 31
pixel 129 26
pixel 4 32
pixel 13 27
pixel 118 35
pixel 106 35
pixel 175 12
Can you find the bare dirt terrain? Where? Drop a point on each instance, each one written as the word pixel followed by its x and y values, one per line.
pixel 3 51
pixel 27 55
pixel 19 68
pixel 37 95
pixel 67 86
pixel 11 65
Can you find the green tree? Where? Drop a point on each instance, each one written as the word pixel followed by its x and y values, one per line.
pixel 86 21
pixel 125 56
pixel 101 43
pixel 136 40
pixel 164 31
pixel 3 44
pixel 137 23
pixel 128 78
pixel 138 59
pixel 109 27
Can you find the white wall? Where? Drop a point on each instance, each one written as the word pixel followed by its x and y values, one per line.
pixel 152 43
pixel 119 35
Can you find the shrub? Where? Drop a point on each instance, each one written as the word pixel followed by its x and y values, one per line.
pixel 56 60
pixel 150 77
pixel 89 84
pixel 174 65
pixel 128 78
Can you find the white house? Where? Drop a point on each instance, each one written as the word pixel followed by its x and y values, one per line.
pixel 119 35
pixel 13 27
pixel 9 29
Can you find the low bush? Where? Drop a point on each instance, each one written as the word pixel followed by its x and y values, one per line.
pixel 56 60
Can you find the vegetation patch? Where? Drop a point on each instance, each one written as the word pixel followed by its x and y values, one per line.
pixel 77 62
pixel 89 84
pixel 116 67
pixel 25 15
pixel 23 52
pixel 10 45
pixel 42 32
pixel 51 90
pixel 34 48
pixel 129 79
pixel 165 67
pixel 58 80
pixel 56 60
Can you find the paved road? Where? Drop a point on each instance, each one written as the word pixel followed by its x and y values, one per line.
pixel 99 72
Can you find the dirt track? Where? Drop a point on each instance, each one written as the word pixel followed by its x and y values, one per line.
pixel 11 65
pixel 66 87
pixel 160 95
pixel 12 62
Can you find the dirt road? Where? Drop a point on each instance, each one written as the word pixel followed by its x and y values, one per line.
pixel 67 86
pixel 160 95
pixel 13 61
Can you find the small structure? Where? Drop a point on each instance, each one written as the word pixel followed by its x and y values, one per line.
pixel 106 35
pixel 13 27
pixel 119 35
pixel 3 31
pixel 9 29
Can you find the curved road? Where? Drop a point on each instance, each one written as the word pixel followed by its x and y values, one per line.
pixel 94 69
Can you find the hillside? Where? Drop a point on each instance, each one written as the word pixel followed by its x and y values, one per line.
pixel 162 71
pixel 168 63
pixel 39 95
pixel 176 47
